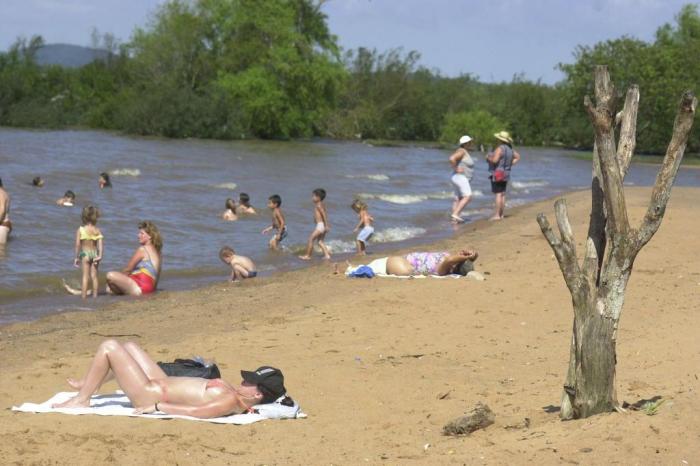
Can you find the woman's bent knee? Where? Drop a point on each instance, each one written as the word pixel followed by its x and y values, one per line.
pixel 109 345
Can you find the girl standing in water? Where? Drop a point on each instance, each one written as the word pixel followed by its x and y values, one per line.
pixel 89 249
pixel 364 226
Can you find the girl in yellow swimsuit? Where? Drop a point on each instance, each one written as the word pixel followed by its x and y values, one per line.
pixel 89 249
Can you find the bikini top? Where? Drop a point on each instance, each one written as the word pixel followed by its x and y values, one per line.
pixel 146 266
pixel 86 235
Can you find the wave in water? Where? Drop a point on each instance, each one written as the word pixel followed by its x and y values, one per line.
pixel 392 235
pixel 529 184
pixel 375 177
pixel 230 186
pixel 126 172
pixel 412 198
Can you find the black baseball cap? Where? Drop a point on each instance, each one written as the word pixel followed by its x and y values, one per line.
pixel 269 380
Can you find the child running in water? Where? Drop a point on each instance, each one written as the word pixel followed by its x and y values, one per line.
pixel 364 226
pixel 322 226
pixel 89 249
pixel 244 204
pixel 274 203
pixel 230 213
pixel 241 266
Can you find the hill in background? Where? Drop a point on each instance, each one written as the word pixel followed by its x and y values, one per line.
pixel 70 56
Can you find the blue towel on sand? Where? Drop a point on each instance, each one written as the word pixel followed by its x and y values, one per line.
pixel 362 271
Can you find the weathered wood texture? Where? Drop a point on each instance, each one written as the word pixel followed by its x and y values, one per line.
pixel 598 285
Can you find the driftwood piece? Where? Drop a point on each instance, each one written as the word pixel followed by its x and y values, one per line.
pixel 478 418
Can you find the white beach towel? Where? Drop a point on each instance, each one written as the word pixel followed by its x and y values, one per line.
pixel 117 404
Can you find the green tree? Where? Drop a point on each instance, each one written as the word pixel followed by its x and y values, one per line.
pixel 479 124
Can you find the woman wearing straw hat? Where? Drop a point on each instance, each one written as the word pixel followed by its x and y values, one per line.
pixel 462 172
pixel 501 160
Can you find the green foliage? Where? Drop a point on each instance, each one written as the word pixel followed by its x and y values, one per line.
pixel 479 124
pixel 272 69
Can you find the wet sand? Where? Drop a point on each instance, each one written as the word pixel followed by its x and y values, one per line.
pixel 381 365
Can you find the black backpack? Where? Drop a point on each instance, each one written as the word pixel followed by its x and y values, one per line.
pixel 190 368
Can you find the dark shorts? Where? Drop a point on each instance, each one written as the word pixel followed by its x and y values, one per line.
pixel 252 274
pixel 498 186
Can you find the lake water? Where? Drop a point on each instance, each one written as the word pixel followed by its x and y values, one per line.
pixel 182 185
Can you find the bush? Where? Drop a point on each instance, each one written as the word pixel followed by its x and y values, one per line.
pixel 478 124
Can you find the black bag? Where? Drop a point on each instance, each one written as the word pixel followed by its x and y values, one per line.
pixel 190 368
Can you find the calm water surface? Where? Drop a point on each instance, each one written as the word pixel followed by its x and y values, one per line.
pixel 182 186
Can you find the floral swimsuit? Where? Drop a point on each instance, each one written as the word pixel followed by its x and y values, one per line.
pixel 426 263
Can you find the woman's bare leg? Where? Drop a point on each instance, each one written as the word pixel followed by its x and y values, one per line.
pixel 399 265
pixel 150 368
pixel 70 289
pixel 130 377
pixel 120 283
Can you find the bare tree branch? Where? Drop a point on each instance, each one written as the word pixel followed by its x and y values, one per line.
pixel 669 169
pixel 628 130
pixel 563 250
pixel 595 244
pixel 602 118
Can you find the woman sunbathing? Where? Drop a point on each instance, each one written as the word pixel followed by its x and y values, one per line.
pixel 150 389
pixel 423 263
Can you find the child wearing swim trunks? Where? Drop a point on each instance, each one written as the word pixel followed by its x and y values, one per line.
pixel 241 266
pixel 230 213
pixel 67 200
pixel 321 228
pixel 274 203
pixel 244 204
pixel 364 226
pixel 89 249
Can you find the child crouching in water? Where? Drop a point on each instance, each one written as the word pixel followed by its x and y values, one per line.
pixel 364 226
pixel 241 266
pixel 89 249
pixel 322 226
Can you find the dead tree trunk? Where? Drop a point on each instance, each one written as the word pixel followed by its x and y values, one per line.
pixel 597 283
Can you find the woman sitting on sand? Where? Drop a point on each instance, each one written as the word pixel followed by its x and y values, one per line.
pixel 425 263
pixel 140 276
pixel 150 389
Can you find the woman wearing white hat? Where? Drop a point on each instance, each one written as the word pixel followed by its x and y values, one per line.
pixel 462 172
pixel 501 160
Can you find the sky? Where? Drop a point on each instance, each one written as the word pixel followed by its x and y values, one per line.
pixel 492 39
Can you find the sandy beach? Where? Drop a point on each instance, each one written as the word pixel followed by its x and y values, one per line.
pixel 381 365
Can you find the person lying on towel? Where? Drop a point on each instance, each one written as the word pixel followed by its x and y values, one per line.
pixel 424 263
pixel 151 390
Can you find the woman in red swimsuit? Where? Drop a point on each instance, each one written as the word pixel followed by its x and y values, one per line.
pixel 140 276
pixel 150 389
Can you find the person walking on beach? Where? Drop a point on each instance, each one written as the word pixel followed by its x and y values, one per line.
pixel 462 172
pixel 321 228
pixel 501 161
pixel 241 266
pixel 274 203
pixel 5 223
pixel 364 226
pixel 89 249
pixel 140 276
pixel 149 389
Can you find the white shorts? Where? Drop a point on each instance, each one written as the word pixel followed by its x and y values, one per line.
pixel 365 234
pixel 378 266
pixel 4 234
pixel 460 183
pixel 320 227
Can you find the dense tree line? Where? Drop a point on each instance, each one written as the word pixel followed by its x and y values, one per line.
pixel 243 68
